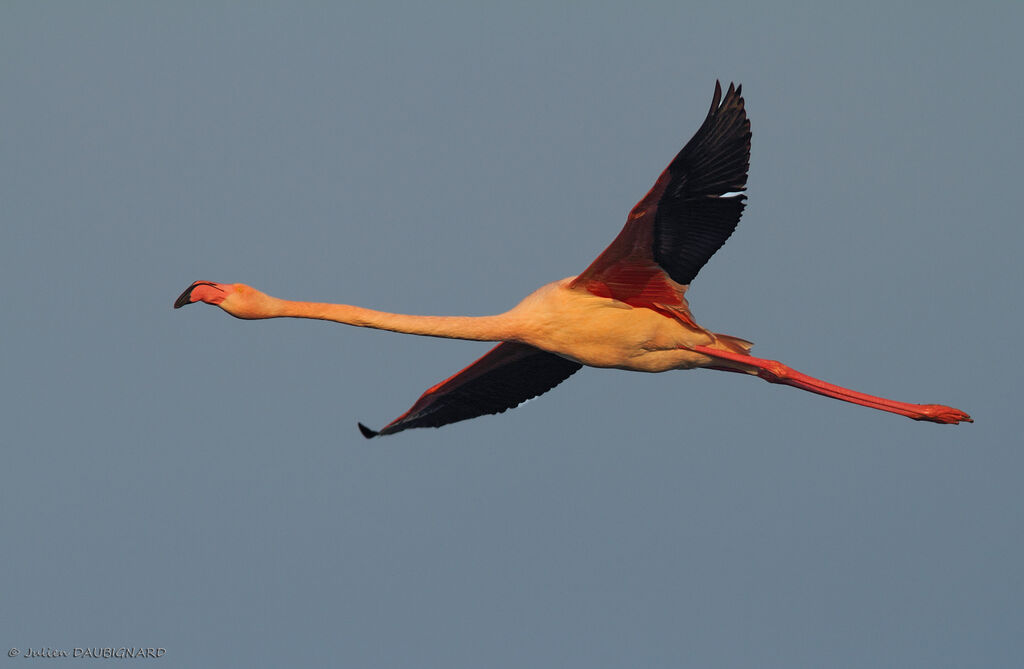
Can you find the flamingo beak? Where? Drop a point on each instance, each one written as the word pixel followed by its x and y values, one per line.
pixel 203 291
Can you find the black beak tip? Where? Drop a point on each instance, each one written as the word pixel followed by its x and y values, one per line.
pixel 184 298
pixel 367 432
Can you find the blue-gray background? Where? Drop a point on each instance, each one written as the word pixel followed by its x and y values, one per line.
pixel 186 480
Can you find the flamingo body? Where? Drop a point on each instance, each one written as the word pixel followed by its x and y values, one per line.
pixel 627 310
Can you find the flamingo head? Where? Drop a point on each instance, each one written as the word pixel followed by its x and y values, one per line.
pixel 238 299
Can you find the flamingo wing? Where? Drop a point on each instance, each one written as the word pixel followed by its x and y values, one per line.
pixel 687 215
pixel 505 377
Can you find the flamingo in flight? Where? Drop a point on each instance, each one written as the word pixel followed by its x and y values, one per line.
pixel 627 310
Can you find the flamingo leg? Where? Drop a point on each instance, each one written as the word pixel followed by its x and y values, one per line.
pixel 774 371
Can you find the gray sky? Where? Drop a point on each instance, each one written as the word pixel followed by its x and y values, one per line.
pixel 184 480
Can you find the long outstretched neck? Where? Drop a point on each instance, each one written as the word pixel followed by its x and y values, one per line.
pixel 243 301
pixel 479 328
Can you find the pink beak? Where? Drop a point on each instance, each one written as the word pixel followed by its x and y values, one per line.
pixel 203 291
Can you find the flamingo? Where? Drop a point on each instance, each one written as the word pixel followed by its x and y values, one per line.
pixel 627 310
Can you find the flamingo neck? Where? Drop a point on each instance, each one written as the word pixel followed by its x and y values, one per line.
pixel 478 328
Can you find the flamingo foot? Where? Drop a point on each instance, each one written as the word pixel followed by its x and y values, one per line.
pixel 774 371
pixel 938 413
